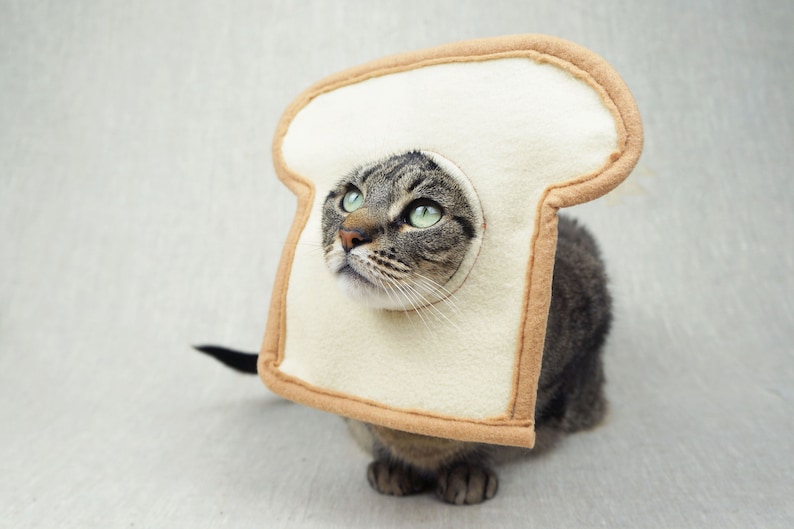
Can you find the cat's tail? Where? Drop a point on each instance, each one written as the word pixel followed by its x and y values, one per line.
pixel 243 362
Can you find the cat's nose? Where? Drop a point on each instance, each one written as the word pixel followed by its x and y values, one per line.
pixel 352 238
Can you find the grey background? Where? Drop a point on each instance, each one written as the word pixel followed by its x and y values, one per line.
pixel 139 213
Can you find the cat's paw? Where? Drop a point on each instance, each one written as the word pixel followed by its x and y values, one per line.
pixel 465 483
pixel 395 479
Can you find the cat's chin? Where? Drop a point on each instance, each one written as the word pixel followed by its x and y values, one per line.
pixel 362 291
pixel 365 293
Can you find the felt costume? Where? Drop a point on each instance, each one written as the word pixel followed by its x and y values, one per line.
pixel 528 125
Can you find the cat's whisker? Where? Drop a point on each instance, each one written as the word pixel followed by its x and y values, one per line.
pixel 387 288
pixel 418 302
pixel 396 299
pixel 407 296
pixel 438 313
pixel 426 306
pixel 431 281
pixel 424 303
pixel 443 295
pixel 311 247
pixel 416 296
pixel 435 284
pixel 437 292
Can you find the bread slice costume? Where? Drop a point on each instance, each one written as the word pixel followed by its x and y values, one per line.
pixel 529 124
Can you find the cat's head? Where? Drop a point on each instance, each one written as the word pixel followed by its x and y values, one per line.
pixel 396 231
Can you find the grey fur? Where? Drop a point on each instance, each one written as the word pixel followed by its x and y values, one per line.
pixel 570 391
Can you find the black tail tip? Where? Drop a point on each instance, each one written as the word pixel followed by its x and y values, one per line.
pixel 243 362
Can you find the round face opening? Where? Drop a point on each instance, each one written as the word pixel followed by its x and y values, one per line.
pixel 402 232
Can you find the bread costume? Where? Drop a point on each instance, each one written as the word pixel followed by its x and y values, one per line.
pixel 528 124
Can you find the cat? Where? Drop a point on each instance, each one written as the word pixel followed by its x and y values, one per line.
pixel 394 232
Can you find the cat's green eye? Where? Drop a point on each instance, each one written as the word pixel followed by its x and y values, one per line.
pixel 424 215
pixel 352 200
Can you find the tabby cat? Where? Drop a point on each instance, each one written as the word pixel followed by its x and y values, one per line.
pixel 394 232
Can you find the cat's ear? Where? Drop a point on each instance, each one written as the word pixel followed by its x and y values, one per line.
pixel 534 123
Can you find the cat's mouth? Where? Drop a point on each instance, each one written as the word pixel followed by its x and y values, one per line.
pixel 350 274
pixel 362 279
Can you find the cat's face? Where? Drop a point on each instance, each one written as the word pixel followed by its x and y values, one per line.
pixel 397 230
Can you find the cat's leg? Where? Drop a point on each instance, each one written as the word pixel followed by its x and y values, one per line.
pixel 396 479
pixel 586 404
pixel 465 483
pixel 407 463
pixel 462 483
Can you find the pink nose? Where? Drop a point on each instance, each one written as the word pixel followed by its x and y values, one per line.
pixel 352 238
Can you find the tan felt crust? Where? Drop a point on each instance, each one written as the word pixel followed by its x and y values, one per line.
pixel 516 426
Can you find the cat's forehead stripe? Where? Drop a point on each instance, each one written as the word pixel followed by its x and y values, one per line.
pixel 367 172
pixel 413 185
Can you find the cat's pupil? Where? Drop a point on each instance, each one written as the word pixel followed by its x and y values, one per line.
pixel 352 200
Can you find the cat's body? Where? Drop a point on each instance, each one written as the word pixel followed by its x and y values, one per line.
pixel 394 233
pixel 570 396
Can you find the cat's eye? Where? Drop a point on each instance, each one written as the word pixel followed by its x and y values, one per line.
pixel 424 214
pixel 352 200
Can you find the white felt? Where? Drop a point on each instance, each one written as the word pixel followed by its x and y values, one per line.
pixel 513 127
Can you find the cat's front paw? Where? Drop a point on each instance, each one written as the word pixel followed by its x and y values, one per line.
pixel 465 483
pixel 395 479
